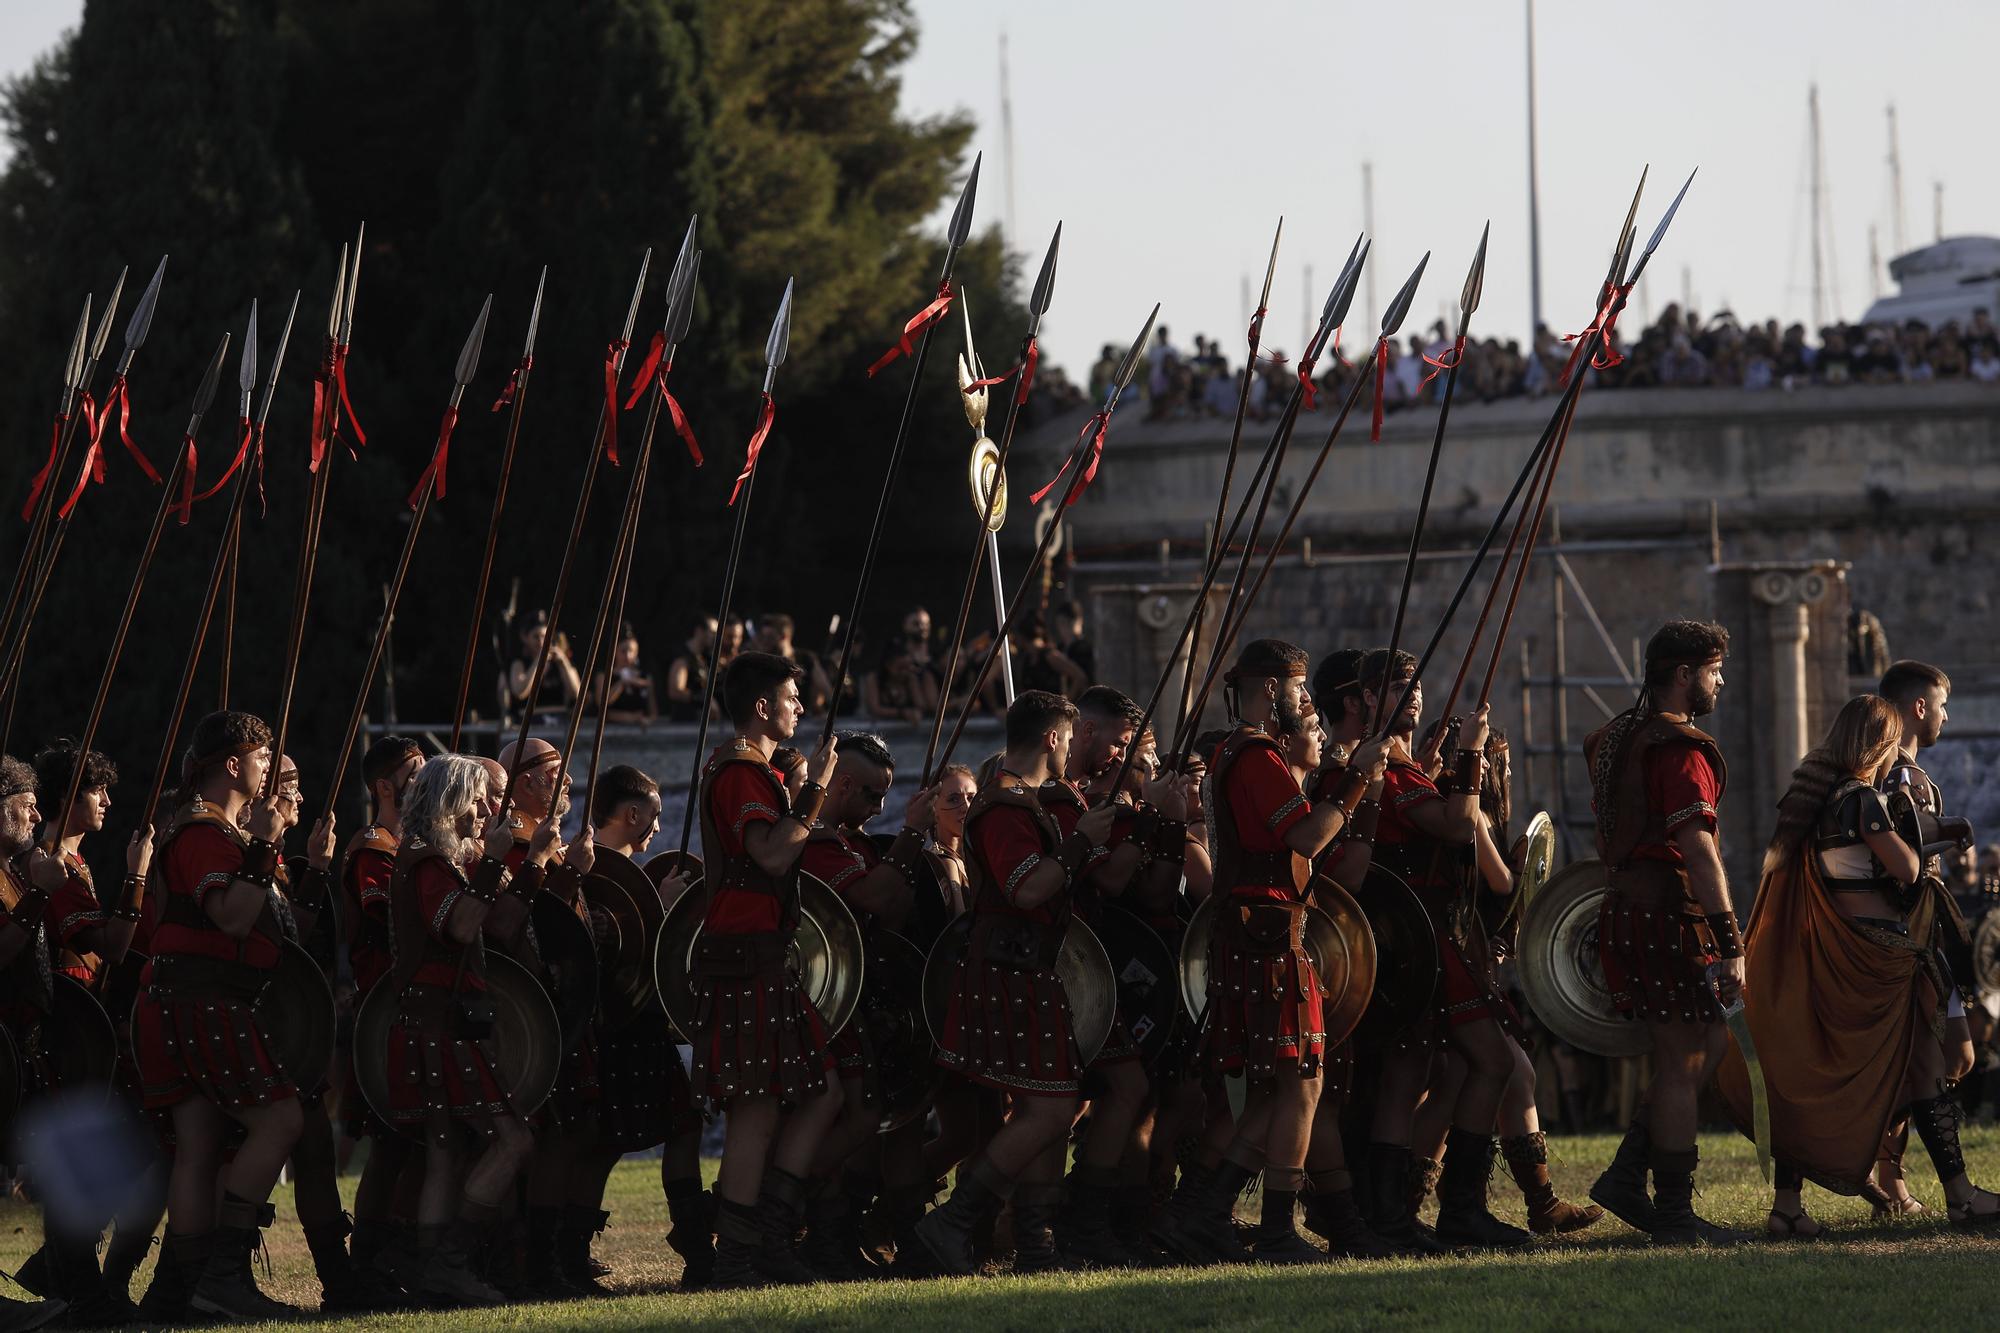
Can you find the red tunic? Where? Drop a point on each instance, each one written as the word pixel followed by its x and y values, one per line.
pixel 1265 803
pixel 1682 783
pixel 200 859
pixel 840 860
pixel 742 795
pixel 366 878
pixel 74 911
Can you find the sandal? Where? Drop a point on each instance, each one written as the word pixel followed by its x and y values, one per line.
pixel 1909 1208
pixel 1792 1226
pixel 1969 1215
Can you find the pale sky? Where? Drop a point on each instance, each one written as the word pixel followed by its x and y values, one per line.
pixel 1169 135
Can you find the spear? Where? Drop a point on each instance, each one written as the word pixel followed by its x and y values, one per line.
pixel 77 374
pixel 1256 336
pixel 430 485
pixel 516 395
pixel 611 606
pixel 42 565
pixel 607 419
pixel 972 373
pixel 1080 466
pixel 118 638
pixel 246 384
pixel 1619 287
pixel 955 238
pixel 1237 610
pixel 327 401
pixel 984 539
pixel 776 344
pixel 1468 301
pixel 1263 480
pixel 185 461
pixel 1588 344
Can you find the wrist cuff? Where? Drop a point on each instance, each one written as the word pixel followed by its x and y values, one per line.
pixel 1466 766
pixel 1728 939
pixel 811 798
pixel 260 862
pixel 1361 824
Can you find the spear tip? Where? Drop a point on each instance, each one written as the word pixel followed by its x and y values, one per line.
pixel 468 357
pixel 961 216
pixel 780 340
pixel 142 314
pixel 1666 219
pixel 205 395
pixel 1271 264
pixel 103 334
pixel 1399 309
pixel 1130 365
pixel 535 314
pixel 1475 277
pixel 353 288
pixel 73 366
pixel 278 359
pixel 638 291
pixel 681 286
pixel 339 296
pixel 1045 281
pixel 246 366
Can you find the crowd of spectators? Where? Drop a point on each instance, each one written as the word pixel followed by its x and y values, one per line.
pixel 1681 349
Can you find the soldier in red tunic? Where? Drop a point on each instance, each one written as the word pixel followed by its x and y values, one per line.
pixel 1264 1017
pixel 562 1213
pixel 761 1050
pixel 1007 1022
pixel 88 933
pixel 647 1100
pixel 877 887
pixel 200 1049
pixel 442 1079
pixel 1667 925
pixel 1109 1198
pixel 1427 835
pixel 367 870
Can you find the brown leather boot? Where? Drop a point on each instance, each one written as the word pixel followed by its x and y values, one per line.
pixel 1528 1159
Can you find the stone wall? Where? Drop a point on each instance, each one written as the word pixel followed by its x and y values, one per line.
pixel 1668 503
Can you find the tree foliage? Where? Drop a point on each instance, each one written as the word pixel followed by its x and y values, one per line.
pixel 480 141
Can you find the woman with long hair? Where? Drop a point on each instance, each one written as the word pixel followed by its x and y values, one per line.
pixel 1844 994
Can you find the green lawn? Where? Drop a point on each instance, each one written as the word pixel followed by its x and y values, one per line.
pixel 1611 1279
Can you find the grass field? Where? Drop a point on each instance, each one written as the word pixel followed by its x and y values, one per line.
pixel 1862 1275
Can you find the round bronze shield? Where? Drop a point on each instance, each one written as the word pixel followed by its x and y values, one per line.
pixel 1986 951
pixel 526 1043
pixel 295 1013
pixel 826 952
pixel 1538 863
pixel 1561 975
pixel 617 887
pixel 657 868
pixel 1343 956
pixel 1147 977
pixel 1347 999
pixel 893 1031
pixel 569 956
pixel 1082 965
pixel 79 1039
pixel 1406 955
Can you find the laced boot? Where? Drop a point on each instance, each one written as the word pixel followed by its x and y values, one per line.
pixel 1463 1217
pixel 1528 1160
pixel 897 1211
pixel 579 1226
pixel 691 1210
pixel 181 1261
pixel 1423 1180
pixel 1937 1120
pixel 1035 1210
pixel 832 1246
pixel 1084 1232
pixel 445 1277
pixel 346 1287
pixel 947 1232
pixel 122 1256
pixel 540 1276
pixel 226 1288
pixel 1198 1225
pixel 1390 1217
pixel 1674 1219
pixel 1332 1214
pixel 1622 1187
pixel 1275 1239
pixel 1131 1216
pixel 77 1280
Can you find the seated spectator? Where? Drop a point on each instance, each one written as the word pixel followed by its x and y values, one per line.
pixel 1986 361
pixel 560 680
pixel 1069 638
pixel 627 694
pixel 899 689
pixel 687 674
